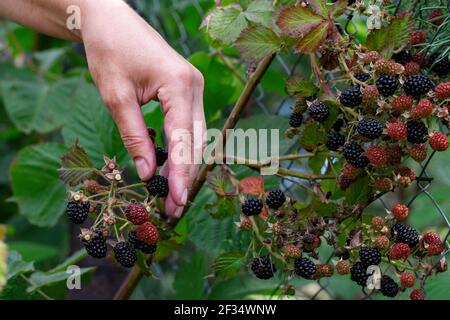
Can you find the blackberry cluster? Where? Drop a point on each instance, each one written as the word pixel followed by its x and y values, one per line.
pixel 304 267
pixel 351 97
pixel 389 287
pixel 387 85
pixel 405 234
pixel 335 140
pixel 442 66
pixel 358 273
pixel 161 156
pixel 370 128
pixel 417 85
pixel 275 199
pixel 295 119
pixel 96 246
pixel 318 111
pixel 369 256
pixel 158 186
pixel 252 206
pixel 417 131
pixel 77 211
pixel 402 57
pixel 141 245
pixel 263 268
pixel 125 254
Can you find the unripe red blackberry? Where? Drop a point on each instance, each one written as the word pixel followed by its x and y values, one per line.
pixel 323 270
pixel 263 268
pixel 432 242
pixel 383 184
pixel 125 254
pixel 377 156
pixel 147 232
pixel 304 268
pixel 318 111
pixel 141 245
pixel 292 251
pixel 436 17
pixel 407 280
pixel 389 287
pixel 158 186
pixel 388 67
pixel 418 152
pixel 350 171
pixel 351 97
pixel 343 267
pixel 387 85
pixel 397 130
pixel 438 141
pixel 422 109
pixel 442 91
pixel 395 153
pixel 402 103
pixel 371 56
pixel 417 37
pixel 136 213
pixel 252 206
pixel 245 224
pixel 422 59
pixel 377 223
pixel 411 68
pixel 399 251
pixel 417 294
pixel 381 242
pixel 370 94
pixel 311 242
pixel 400 212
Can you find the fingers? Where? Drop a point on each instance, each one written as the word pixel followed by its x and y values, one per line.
pixel 133 130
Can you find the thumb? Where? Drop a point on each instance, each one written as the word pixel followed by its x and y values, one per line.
pixel 135 137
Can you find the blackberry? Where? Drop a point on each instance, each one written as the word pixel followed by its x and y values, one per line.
pixel 362 76
pixel 304 267
pixel 295 119
pixel 389 287
pixel 387 85
pixel 370 128
pixel 252 206
pixel 369 256
pixel 359 274
pixel 125 254
pixel 352 150
pixel 335 140
pixel 77 211
pixel 417 132
pixel 263 268
pixel 96 246
pixel 351 97
pixel 360 162
pixel 402 57
pixel 141 245
pixel 318 111
pixel 275 199
pixel 417 85
pixel 405 234
pixel 161 156
pixel 158 186
pixel 442 67
pixel 337 126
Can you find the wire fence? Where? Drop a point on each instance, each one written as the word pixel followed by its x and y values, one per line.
pixel 156 13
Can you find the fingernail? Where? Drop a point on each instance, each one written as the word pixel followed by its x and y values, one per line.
pixel 178 212
pixel 143 169
pixel 184 197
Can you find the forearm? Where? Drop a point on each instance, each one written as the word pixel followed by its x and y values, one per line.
pixel 50 16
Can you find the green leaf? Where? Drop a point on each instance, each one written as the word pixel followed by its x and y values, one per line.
pixel 41 279
pixel 76 166
pixel 358 192
pixel 17 266
pixel 257 42
pixel 313 135
pixel 297 20
pixel 35 105
pixel 319 6
pixel 228 264
pixel 241 287
pixel 226 23
pixel 33 251
pixel 260 11
pixel 334 113
pixel 92 125
pixel 436 287
pixel 37 189
pixel 190 279
pixel 300 87
pixel 76 257
pixel 311 41
pixel 390 37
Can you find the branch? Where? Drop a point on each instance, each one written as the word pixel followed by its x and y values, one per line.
pixel 135 275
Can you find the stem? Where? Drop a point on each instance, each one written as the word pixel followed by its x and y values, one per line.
pixel 315 67
pixel 261 240
pixel 135 275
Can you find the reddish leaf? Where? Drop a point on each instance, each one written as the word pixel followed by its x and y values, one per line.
pixel 313 39
pixel 296 20
pixel 339 7
pixel 319 6
pixel 252 185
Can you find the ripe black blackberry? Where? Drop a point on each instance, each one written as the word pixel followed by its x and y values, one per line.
pixel 263 268
pixel 402 57
pixel 337 126
pixel 387 85
pixel 370 128
pixel 360 162
pixel 304 267
pixel 335 140
pixel 275 199
pixel 318 111
pixel 125 254
pixel 369 256
pixel 362 76
pixel 402 233
pixel 161 156
pixel 252 206
pixel 351 97
pixel 295 119
pixel 77 211
pixel 96 245
pixel 158 186
pixel 389 287
pixel 417 85
pixel 417 131
pixel 359 274
pixel 352 150
pixel 141 245
pixel 441 67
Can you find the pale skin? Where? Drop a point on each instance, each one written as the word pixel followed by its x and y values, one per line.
pixel 131 64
